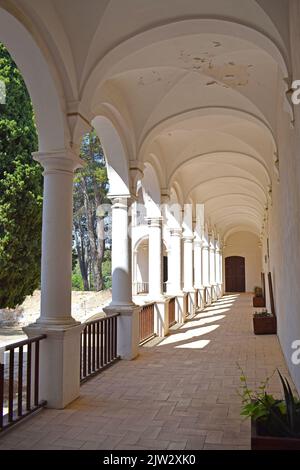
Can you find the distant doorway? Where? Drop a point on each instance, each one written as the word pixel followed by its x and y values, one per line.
pixel 235 274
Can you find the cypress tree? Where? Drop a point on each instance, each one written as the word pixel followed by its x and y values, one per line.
pixel 20 190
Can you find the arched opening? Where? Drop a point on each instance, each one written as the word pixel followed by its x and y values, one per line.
pixel 141 277
pixel 165 268
pixel 43 89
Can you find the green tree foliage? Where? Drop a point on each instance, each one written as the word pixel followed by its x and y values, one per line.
pixel 90 194
pixel 20 190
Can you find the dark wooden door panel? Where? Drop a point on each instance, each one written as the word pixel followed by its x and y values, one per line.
pixel 235 274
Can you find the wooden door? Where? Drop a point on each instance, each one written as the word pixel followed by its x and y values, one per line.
pixel 235 274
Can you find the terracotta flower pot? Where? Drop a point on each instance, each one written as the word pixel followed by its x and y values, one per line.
pixel 262 442
pixel 259 302
pixel 265 325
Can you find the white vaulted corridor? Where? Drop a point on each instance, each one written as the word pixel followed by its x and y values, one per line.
pixel 192 103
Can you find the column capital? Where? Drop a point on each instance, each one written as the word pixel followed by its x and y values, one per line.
pixel 175 232
pixel 198 242
pixel 188 238
pixel 136 170
pixel 119 201
pixel 59 161
pixel 154 221
pixel 165 195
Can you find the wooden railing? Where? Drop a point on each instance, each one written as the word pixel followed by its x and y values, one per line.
pixel 196 299
pixel 186 304
pixel 207 295
pixel 19 381
pixel 98 346
pixel 172 319
pixel 202 298
pixel 146 322
pixel 142 288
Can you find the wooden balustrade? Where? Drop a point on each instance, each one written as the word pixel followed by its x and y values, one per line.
pixel 146 322
pixel 172 319
pixel 98 346
pixel 19 381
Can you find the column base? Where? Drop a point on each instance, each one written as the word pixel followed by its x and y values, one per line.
pixel 201 298
pixel 128 335
pixel 59 378
pixel 206 296
pixel 214 296
pixel 161 317
pixel 191 300
pixel 180 305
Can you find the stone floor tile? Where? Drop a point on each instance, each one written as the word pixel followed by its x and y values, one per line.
pixel 168 397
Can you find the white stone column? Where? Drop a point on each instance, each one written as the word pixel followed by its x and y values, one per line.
pixel 188 271
pixel 205 264
pixel 218 277
pixel 175 261
pixel 221 270
pixel 212 269
pixel 60 351
pixel 206 267
pixel 155 258
pixel 128 321
pixel 120 256
pixel 188 263
pixel 197 263
pixel 175 264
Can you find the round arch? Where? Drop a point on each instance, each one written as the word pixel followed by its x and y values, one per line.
pixel 43 89
pixel 151 191
pixel 115 155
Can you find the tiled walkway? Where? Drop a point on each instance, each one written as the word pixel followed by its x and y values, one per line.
pixel 180 394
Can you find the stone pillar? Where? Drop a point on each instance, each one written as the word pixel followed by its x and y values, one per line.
pixel 212 267
pixel 218 278
pixel 221 270
pixel 205 269
pixel 155 258
pixel 197 263
pixel 120 256
pixel 60 351
pixel 175 261
pixel 188 264
pixel 128 322
pixel 188 272
pixel 174 287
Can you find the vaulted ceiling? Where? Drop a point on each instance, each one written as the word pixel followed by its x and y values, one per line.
pixel 191 87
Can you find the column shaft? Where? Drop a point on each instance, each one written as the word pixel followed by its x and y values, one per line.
pixel 188 264
pixel 197 264
pixel 205 265
pixel 121 254
pixel 175 261
pixel 56 268
pixel 155 257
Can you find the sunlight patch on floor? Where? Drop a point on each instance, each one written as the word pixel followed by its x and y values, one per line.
pixel 203 321
pixel 177 337
pixel 200 344
pixel 212 313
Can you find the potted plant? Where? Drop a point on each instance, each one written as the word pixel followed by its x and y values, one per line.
pixel 264 323
pixel 275 424
pixel 258 299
